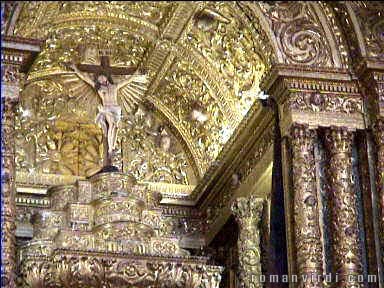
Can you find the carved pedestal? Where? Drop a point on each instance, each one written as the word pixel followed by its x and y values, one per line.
pixel 108 232
pixel 305 208
pixel 248 212
pixel 347 262
pixel 8 191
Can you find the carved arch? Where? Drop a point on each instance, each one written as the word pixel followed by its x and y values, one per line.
pixel 301 33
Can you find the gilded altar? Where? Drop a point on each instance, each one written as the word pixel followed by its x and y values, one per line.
pixel 254 147
pixel 108 231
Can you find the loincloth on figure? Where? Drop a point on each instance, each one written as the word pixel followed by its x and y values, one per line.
pixel 110 113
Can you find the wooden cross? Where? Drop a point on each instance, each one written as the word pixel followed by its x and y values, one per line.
pixel 105 68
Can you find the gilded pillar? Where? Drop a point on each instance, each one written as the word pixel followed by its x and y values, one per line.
pixel 10 88
pixel 379 141
pixel 17 55
pixel 347 262
pixel 305 208
pixel 248 213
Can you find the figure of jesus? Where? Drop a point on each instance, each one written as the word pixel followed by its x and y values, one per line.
pixel 109 113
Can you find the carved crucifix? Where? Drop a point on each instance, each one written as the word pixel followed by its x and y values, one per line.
pixel 134 85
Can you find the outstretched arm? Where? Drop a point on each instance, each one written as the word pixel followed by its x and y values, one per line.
pixel 80 74
pixel 137 78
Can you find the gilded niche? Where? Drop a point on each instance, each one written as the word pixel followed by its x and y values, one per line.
pixel 53 139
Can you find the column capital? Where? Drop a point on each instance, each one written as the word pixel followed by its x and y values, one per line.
pixel 247 207
pixel 338 140
pixel 301 131
pixel 379 125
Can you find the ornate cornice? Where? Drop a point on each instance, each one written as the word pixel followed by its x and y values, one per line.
pixel 20 51
pixel 125 270
pixel 314 96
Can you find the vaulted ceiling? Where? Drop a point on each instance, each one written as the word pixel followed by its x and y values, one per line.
pixel 204 56
pixel 199 55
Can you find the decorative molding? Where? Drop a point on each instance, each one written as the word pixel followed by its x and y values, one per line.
pixel 72 269
pixel 317 97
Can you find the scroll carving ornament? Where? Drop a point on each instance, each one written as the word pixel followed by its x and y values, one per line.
pixel 345 242
pixel 306 223
pixel 248 212
pixel 299 33
pixel 225 41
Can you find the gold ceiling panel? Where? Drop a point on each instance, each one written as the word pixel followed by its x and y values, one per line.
pixel 210 84
pixel 182 89
pixel 227 45
pixel 81 43
pixel 38 17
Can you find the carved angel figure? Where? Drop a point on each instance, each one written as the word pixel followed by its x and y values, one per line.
pixel 127 90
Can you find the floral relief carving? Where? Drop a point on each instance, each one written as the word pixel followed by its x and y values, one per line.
pixel 181 88
pixel 84 270
pixel 299 33
pixel 222 38
pixel 8 190
pixel 321 102
pixel 150 151
pixel 45 14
